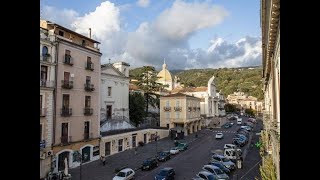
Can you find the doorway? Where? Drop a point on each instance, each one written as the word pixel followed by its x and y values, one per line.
pixel 109 111
pixel 61 159
pixel 145 138
pixel 107 149
pixel 86 154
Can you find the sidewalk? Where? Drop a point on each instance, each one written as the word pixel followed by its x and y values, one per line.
pixel 96 171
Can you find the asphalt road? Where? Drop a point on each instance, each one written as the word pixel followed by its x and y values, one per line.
pixel 188 163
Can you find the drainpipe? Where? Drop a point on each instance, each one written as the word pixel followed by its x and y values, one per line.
pixel 55 93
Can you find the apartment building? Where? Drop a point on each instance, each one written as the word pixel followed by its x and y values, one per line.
pixel 47 90
pixel 77 116
pixel 180 113
pixel 270 27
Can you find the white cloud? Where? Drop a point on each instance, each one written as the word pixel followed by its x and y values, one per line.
pixel 143 3
pixel 63 17
pixel 165 37
pixel 182 19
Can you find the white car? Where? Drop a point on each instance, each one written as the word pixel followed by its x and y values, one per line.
pixel 219 136
pixel 124 174
pixel 248 128
pixel 174 150
pixel 228 146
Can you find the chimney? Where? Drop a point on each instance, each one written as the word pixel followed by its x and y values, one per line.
pixel 90 33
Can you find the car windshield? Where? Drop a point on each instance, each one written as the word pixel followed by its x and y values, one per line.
pixel 162 154
pixel 211 177
pixel 225 160
pixel 121 174
pixel 146 162
pixel 163 172
pixel 219 171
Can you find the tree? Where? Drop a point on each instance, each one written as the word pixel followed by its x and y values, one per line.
pixel 147 82
pixel 136 107
pixel 230 107
pixel 250 112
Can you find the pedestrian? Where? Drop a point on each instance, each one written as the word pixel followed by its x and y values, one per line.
pixel 103 160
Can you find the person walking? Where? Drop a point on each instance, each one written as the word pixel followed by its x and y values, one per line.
pixel 103 160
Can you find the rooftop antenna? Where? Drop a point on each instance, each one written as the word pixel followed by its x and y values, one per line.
pixel 109 61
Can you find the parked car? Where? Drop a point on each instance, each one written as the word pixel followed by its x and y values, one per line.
pixel 244 132
pixel 221 166
pixel 248 124
pixel 174 150
pixel 149 164
pixel 216 171
pixel 225 161
pixel 239 142
pixel 248 128
pixel 219 135
pixel 124 174
pixel 163 156
pixel 166 173
pixel 241 136
pixel 252 120
pixel 226 125
pixel 182 146
pixel 239 121
pixel 206 175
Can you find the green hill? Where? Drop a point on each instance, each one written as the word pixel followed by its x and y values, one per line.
pixel 229 80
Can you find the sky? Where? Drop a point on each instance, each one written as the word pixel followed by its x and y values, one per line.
pixel 187 34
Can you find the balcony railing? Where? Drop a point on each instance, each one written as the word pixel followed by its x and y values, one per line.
pixel 89 66
pixel 46 83
pixel 46 58
pixel 88 87
pixel 43 112
pixel 198 108
pixel 67 84
pixel 88 111
pixel 189 109
pixel 177 120
pixel 194 108
pixel 68 59
pixel 177 109
pixel 66 139
pixel 167 108
pixel 66 112
pixel 87 136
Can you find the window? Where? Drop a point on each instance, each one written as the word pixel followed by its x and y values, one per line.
pixel 88 80
pixel 86 129
pixel 177 114
pixel 167 125
pixel 120 144
pixel 64 129
pixel 167 115
pixel 87 102
pixel 66 76
pixel 40 132
pixel 61 33
pixel 124 71
pixel 44 50
pixel 177 103
pixel 40 101
pixel 83 42
pixel 65 100
pixel 43 75
pixel 68 52
pixel 167 104
pixel 109 91
pixel 202 176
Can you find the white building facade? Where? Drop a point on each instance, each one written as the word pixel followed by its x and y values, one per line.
pixel 114 90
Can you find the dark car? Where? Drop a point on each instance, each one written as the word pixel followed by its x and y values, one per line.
pixel 166 173
pixel 182 146
pixel 226 125
pixel 245 133
pixel 238 142
pixel 149 163
pixel 163 156
pixel 241 136
pixel 221 166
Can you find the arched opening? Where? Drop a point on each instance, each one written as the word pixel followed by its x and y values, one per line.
pixel 61 158
pixel 86 154
pixel 45 51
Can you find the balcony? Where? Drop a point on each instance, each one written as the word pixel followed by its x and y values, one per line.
pixel 177 109
pixel 65 112
pixel 189 109
pixel 194 108
pixel 177 120
pixel 46 83
pixel 87 136
pixel 66 84
pixel 167 108
pixel 88 87
pixel 68 60
pixel 46 58
pixel 88 111
pixel 65 140
pixel 89 66
pixel 43 112
pixel 198 108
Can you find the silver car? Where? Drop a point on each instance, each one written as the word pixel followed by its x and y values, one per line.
pixel 225 161
pixel 216 171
